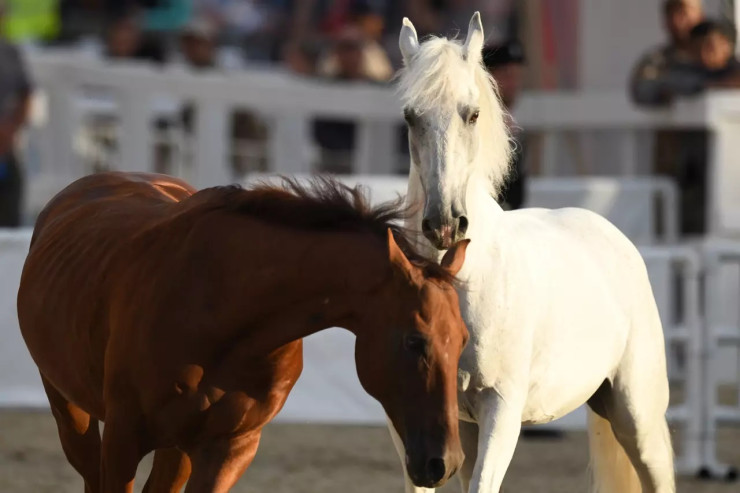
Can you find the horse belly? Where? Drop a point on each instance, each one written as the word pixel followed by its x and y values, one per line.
pixel 63 353
pixel 574 361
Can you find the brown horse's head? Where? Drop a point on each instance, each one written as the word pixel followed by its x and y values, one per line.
pixel 407 359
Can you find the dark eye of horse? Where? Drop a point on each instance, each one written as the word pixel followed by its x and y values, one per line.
pixel 409 116
pixel 473 118
pixel 415 343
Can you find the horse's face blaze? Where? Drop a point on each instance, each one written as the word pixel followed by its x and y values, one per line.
pixel 416 380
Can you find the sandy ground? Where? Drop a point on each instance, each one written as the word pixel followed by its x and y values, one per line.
pixel 310 458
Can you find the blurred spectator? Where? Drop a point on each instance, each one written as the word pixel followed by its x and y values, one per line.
pixel 714 45
pixel 301 58
pixel 166 16
pixel 249 133
pixel 29 20
pixel 198 44
pixel 255 25
pixel 670 71
pixel 126 40
pixel 355 57
pixel 505 63
pixel 352 58
pixel 15 101
pixel 661 76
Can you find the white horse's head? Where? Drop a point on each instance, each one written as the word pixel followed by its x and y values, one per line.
pixel 457 132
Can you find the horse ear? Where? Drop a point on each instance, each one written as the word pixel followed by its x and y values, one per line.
pixel 397 257
pixel 408 41
pixel 454 258
pixel 473 49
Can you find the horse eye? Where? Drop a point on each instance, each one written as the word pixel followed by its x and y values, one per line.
pixel 415 343
pixel 473 118
pixel 408 115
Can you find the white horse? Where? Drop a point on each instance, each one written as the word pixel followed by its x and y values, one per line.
pixel 557 302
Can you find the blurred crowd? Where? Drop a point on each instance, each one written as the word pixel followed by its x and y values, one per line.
pixel 347 40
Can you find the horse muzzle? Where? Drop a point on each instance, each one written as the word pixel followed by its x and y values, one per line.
pixel 432 472
pixel 444 234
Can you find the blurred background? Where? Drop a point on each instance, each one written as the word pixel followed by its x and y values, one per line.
pixel 629 108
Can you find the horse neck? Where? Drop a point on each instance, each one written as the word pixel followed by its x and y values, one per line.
pixel 483 211
pixel 331 285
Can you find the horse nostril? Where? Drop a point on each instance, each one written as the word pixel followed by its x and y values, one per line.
pixel 436 469
pixel 425 226
pixel 462 225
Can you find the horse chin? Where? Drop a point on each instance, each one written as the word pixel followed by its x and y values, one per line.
pixel 438 484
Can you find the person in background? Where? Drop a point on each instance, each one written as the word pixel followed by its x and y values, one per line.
pixel 356 56
pixel 165 18
pixel 714 46
pixel 669 71
pixel 300 58
pixel 198 44
pixel 255 26
pixel 15 103
pixel 660 77
pixel 124 39
pixel 348 61
pixel 505 63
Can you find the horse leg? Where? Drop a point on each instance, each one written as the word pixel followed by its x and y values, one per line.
pixel 469 441
pixel 218 465
pixel 637 415
pixel 79 435
pixel 122 450
pixel 170 471
pixel 410 487
pixel 499 424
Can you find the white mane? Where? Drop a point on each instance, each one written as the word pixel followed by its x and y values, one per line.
pixel 437 73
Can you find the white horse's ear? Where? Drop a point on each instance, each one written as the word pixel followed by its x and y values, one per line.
pixel 408 41
pixel 474 43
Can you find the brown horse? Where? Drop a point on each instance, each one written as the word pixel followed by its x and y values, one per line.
pixel 175 317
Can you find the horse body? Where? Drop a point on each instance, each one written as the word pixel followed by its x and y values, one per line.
pixel 176 318
pixel 81 264
pixel 550 349
pixel 558 303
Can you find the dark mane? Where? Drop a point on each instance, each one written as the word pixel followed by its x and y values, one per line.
pixel 323 204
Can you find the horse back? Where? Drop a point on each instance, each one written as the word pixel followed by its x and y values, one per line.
pixel 73 262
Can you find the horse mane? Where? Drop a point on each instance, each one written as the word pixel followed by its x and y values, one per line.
pixel 324 204
pixel 437 73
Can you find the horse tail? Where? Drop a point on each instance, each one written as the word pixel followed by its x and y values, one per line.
pixel 611 469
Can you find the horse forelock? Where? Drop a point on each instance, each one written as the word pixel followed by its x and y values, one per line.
pixel 436 73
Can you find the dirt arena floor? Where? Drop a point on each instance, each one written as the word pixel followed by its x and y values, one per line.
pixel 309 458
